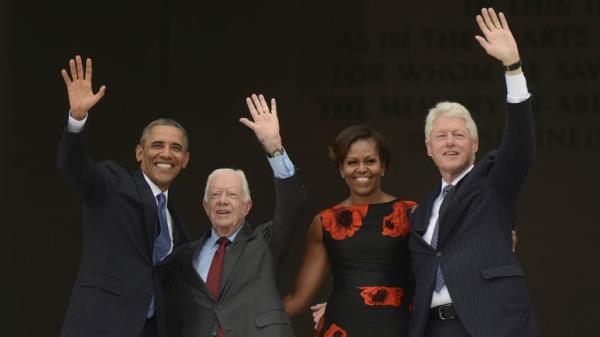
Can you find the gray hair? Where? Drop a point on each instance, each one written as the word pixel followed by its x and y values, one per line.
pixel 450 109
pixel 167 122
pixel 239 173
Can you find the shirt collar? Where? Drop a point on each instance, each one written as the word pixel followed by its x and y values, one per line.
pixel 457 180
pixel 214 237
pixel 155 189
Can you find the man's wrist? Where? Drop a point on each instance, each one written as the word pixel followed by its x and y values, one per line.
pixel 275 153
pixel 513 66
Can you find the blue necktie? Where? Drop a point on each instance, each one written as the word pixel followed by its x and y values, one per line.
pixel 439 277
pixel 162 240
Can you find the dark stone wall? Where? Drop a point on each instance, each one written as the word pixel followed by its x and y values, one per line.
pixel 330 64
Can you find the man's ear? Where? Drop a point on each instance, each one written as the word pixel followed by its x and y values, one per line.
pixel 139 151
pixel 248 207
pixel 205 205
pixel 186 160
pixel 428 147
pixel 475 145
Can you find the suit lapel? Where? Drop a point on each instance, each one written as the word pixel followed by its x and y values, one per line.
pixel 420 219
pixel 234 252
pixel 180 233
pixel 150 211
pixel 451 209
pixel 189 271
pixel 423 213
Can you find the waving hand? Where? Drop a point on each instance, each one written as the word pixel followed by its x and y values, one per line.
pixel 497 39
pixel 265 123
pixel 79 87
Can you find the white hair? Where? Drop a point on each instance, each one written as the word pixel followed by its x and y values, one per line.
pixel 239 173
pixel 450 109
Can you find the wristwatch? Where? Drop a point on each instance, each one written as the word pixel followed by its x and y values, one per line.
pixel 513 66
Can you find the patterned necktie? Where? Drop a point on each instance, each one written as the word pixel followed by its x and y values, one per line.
pixel 439 277
pixel 162 239
pixel 213 280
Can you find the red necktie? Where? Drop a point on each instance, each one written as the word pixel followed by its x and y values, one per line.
pixel 213 280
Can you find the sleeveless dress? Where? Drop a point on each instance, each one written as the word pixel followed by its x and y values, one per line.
pixel 368 249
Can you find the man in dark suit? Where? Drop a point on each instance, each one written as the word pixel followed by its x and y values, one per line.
pixel 226 283
pixel 468 281
pixel 129 226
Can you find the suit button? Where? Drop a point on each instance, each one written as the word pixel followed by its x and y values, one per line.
pixel 438 254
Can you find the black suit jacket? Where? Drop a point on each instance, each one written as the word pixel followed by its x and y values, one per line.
pixel 250 303
pixel 482 274
pixel 116 277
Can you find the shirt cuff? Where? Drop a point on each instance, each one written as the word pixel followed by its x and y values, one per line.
pixel 74 125
pixel 516 88
pixel 282 166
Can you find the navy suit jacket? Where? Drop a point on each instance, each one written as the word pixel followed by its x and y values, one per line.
pixel 482 274
pixel 116 278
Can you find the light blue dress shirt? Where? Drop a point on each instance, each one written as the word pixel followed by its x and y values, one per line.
pixel 282 168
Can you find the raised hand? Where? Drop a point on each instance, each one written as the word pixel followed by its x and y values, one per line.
pixel 265 123
pixel 79 87
pixel 497 39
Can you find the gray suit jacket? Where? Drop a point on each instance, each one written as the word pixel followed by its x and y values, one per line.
pixel 250 303
pixel 483 276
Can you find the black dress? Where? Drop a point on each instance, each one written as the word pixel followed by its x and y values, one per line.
pixel 368 249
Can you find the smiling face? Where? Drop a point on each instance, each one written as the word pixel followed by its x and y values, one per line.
pixel 451 146
pixel 226 203
pixel 162 155
pixel 362 168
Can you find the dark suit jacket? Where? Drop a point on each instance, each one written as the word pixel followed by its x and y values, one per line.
pixel 116 278
pixel 249 304
pixel 483 276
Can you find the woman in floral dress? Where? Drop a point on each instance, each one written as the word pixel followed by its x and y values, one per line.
pixel 364 240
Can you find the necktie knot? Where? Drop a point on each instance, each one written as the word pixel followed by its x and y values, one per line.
pixel 161 200
pixel 223 241
pixel 447 189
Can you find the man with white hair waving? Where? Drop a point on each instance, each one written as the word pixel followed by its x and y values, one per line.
pixel 226 283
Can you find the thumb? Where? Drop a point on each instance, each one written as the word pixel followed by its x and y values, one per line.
pixel 247 122
pixel 101 92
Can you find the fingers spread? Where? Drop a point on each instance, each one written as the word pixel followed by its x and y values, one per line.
pixel 263 104
pixel 494 18
pixel 251 107
pixel 88 69
pixel 247 122
pixel 79 67
pixel 273 106
pixel 65 77
pixel 101 92
pixel 257 104
pixel 73 70
pixel 483 42
pixel 487 19
pixel 503 20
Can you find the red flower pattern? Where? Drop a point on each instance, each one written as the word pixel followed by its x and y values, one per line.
pixel 382 296
pixel 396 224
pixel 343 221
pixel 335 331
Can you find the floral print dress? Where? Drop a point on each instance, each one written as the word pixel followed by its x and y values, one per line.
pixel 368 249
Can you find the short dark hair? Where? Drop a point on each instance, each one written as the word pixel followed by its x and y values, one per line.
pixel 340 146
pixel 167 122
